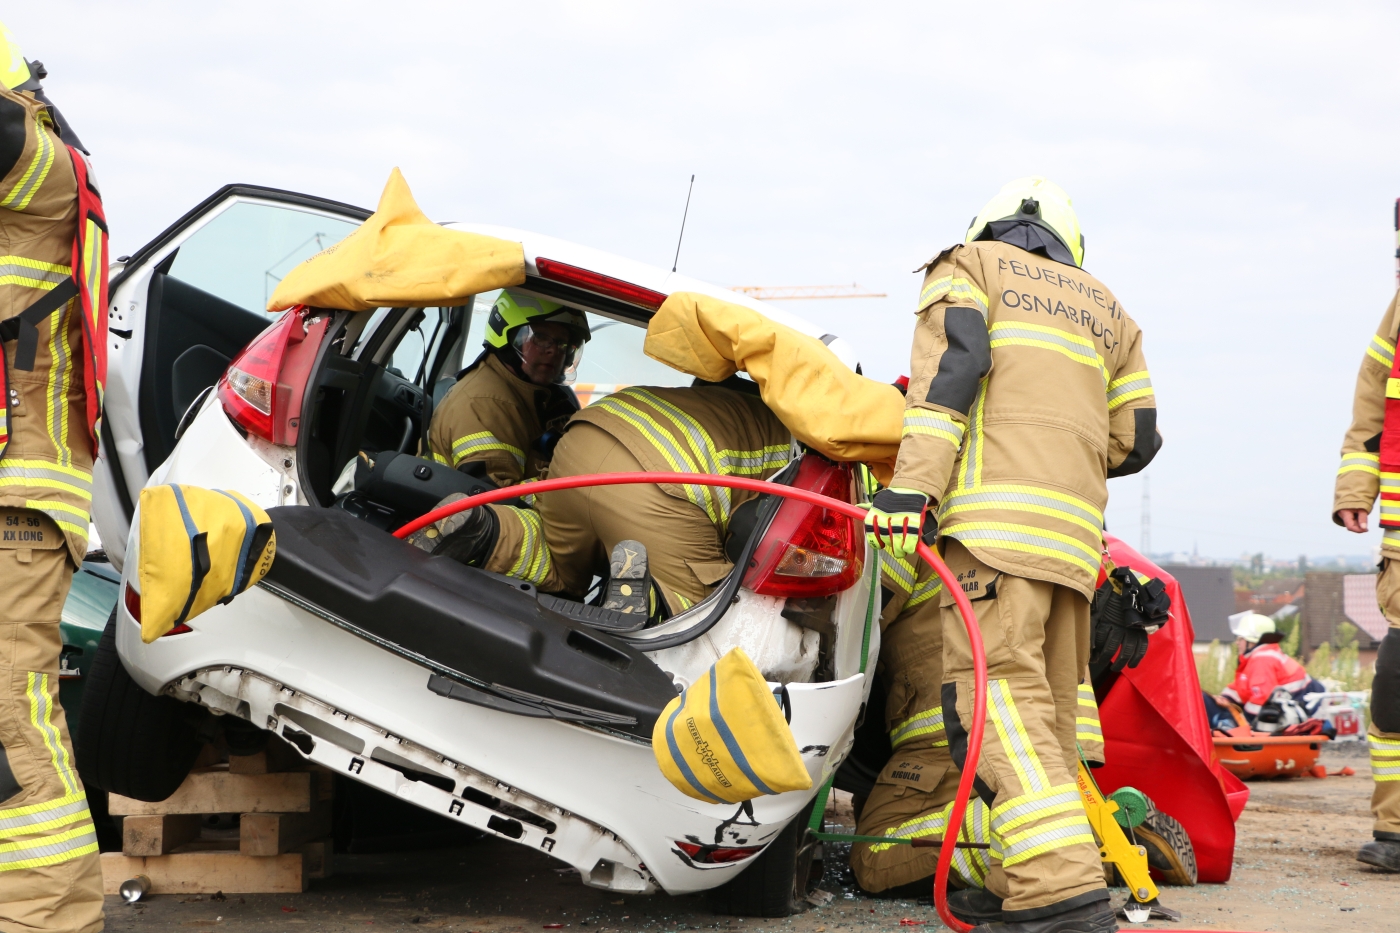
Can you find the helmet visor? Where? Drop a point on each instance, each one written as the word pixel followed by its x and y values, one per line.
pixel 564 352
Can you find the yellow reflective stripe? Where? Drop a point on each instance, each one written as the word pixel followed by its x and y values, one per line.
pixel 901 572
pixel 23 191
pixel 1012 733
pixel 1390 482
pixel 1018 811
pixel 933 424
pixel 1019 498
pixel 927 722
pixel 533 562
pixel 1363 462
pixel 41 816
pixel 924 590
pixel 1382 351
pixel 665 444
pixel 1072 830
pixel 976 828
pixel 1390 537
pixel 41 718
pixel 1028 540
pixel 970 473
pixel 59 380
pixel 1041 336
pixel 1385 758
pixel 1126 388
pixel 480 443
pixel 956 286
pixel 1390 510
pixel 712 460
pixel 48 850
pixel 68 518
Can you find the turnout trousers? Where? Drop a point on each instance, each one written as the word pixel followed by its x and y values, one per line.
pixel 1037 639
pixel 1383 737
pixel 913 796
pixel 50 878
pixel 567 542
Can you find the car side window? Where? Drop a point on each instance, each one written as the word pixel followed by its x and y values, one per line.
pixel 245 251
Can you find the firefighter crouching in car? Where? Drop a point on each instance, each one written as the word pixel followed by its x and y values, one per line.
pixel 1029 389
pixel 661 546
pixel 53 325
pixel 500 420
pixel 1370 467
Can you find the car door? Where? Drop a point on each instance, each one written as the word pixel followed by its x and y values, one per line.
pixel 181 308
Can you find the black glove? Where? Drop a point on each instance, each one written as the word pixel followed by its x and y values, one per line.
pixel 1126 609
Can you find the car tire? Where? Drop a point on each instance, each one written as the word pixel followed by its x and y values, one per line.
pixel 130 742
pixel 778 881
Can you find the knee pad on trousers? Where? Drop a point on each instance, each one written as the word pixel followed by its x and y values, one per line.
pixel 1385 689
pixel 957 742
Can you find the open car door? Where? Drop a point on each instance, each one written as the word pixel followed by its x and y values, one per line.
pixel 181 308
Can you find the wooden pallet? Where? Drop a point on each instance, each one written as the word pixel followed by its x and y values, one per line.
pixel 283 832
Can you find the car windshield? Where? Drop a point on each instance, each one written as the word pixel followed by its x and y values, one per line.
pixel 612 360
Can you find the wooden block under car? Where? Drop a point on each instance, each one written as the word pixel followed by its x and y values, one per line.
pixel 274 833
pixel 207 872
pixel 157 834
pixel 223 792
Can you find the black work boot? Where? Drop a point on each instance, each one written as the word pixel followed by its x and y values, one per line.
pixel 975 905
pixel 466 537
pixel 628 584
pixel 1095 916
pixel 1383 853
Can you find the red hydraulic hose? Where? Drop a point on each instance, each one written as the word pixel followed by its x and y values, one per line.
pixel 974 634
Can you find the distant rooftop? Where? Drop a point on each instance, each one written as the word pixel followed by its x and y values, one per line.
pixel 1359 604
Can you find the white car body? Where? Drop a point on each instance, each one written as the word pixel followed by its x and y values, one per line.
pixel 592 798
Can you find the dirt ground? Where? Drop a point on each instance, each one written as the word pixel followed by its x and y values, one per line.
pixel 1294 871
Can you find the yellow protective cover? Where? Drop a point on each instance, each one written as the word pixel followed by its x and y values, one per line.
pixel 198 547
pixel 724 740
pixel 399 258
pixel 843 415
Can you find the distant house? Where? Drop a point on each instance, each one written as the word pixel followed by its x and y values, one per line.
pixel 1334 598
pixel 1210 596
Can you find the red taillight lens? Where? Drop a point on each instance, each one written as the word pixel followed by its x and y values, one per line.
pixel 714 855
pixel 133 603
pixel 809 551
pixel 597 282
pixel 264 385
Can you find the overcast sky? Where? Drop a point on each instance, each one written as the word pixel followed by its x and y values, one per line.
pixel 1234 168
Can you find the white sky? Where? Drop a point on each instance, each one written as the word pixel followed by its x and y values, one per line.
pixel 1234 168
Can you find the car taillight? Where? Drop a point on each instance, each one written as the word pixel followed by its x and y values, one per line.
pixel 597 282
pixel 715 855
pixel 808 550
pixel 263 387
pixel 133 606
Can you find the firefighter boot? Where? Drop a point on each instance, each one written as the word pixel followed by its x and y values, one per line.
pixel 466 537
pixel 1383 853
pixel 629 586
pixel 1095 917
pixel 975 905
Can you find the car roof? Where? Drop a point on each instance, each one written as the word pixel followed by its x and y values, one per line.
pixel 647 276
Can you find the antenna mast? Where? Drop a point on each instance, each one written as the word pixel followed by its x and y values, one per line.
pixel 677 260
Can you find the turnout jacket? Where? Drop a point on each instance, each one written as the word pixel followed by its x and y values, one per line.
pixel 1028 389
pixel 494 417
pixel 1359 477
pixel 702 429
pixel 47 420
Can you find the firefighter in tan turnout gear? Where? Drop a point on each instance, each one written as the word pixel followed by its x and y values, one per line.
pixel 663 542
pixel 1029 390
pixel 1370 468
pixel 499 420
pixel 53 328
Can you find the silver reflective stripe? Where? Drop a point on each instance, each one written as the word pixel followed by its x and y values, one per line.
pixel 40 277
pixel 1012 733
pixel 48 852
pixel 982 534
pixel 1119 391
pixel 960 500
pixel 42 814
pixel 10 470
pixel 925 723
pixel 936 424
pixel 38 170
pixel 1088 728
pixel 1062 798
pixel 1087 355
pixel 899 569
pixel 1057 835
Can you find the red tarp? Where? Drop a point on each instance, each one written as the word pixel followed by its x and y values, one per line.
pixel 1156 737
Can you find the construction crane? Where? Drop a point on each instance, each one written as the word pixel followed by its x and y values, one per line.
pixel 805 292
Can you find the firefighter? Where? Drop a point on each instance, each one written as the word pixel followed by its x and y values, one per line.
pixel 500 420
pixel 1029 389
pixel 1370 467
pixel 673 535
pixel 53 324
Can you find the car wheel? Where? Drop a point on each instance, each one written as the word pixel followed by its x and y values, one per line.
pixel 778 881
pixel 130 742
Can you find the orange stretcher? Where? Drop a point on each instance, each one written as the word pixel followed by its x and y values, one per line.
pixel 1258 755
